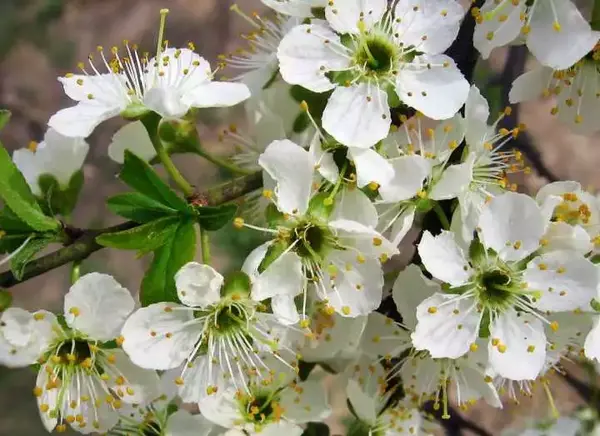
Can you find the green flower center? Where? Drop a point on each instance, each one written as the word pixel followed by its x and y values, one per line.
pixel 495 289
pixel 376 54
pixel 74 350
pixel 261 408
pixel 310 240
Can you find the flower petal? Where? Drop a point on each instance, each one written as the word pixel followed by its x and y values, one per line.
pixel 146 340
pixel 292 168
pixel 564 279
pixel 221 409
pixel 370 166
pixel 284 309
pixel 305 402
pixel 562 236
pixel 217 94
pixel 354 205
pixel 520 338
pixel 559 49
pixel 430 25
pixel 364 405
pixel 90 299
pixel 530 85
pixel 592 341
pixel 438 91
pixel 282 277
pixel 198 285
pixel 357 115
pixel 366 240
pixel 140 386
pixel 410 289
pixel 512 225
pixel 499 29
pixel 454 181
pixel 81 120
pixel 183 423
pixel 410 172
pixel 344 15
pixel 132 137
pixel 444 259
pixel 446 326
pixel 198 376
pixel 383 337
pixel 307 52
pixel 477 112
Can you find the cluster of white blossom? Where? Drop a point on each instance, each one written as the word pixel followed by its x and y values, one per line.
pixel 494 298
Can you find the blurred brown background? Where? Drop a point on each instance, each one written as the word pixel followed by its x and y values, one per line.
pixel 42 39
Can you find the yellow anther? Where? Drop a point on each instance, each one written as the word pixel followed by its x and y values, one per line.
pixel 74 311
pixel 346 310
pixel 473 347
pixel 554 326
pixel 179 381
pixel 556 26
pixel 238 222
pixel 542 267
pixel 531 348
pixel 37 391
pixel 304 106
pixel 432 309
pixel 502 348
pixel 495 342
pixel 377 241
pixel 39 316
pixel 32 146
pixel 373 186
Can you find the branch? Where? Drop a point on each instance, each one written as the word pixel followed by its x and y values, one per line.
pixel 84 244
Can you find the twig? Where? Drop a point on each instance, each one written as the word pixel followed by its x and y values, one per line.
pixel 84 243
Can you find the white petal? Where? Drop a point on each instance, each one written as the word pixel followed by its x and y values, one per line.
pixel 454 181
pixel 292 168
pixel 366 240
pixel 254 259
pixel 444 259
pixel 477 112
pixel 592 341
pixel 198 285
pixel 402 225
pixel 284 309
pixel 522 339
pixel 217 94
pixel 559 49
pixel 31 168
pixel 146 342
pixel 96 418
pixel 354 205
pixel 364 405
pixel 530 85
pixel 565 280
pixel 557 189
pixel 283 277
pixel 383 337
pixel 109 89
pixel 61 156
pixel 410 289
pixel 132 137
pixel 354 288
pixel 295 8
pixel 357 115
pixel 512 225
pixel 167 102
pixel 323 160
pixel 222 409
pixel 183 423
pixel 370 167
pixel 281 427
pixel 141 385
pixel 446 326
pixel 304 50
pixel 430 25
pixel 410 172
pixel 90 299
pixel 179 69
pixel 337 335
pixel 562 236
pixel 344 15
pixel 198 376
pixel 17 326
pixel 49 397
pixel 82 119
pixel 24 336
pixel 503 26
pixel 438 92
pixel 308 402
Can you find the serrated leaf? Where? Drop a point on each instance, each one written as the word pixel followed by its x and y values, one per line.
pixel 159 281
pixel 4 118
pixel 145 238
pixel 138 207
pixel 15 192
pixel 26 254
pixel 58 200
pixel 140 176
pixel 214 218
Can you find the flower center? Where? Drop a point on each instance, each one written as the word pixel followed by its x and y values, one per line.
pixel 494 289
pixel 228 319
pixel 310 240
pixel 376 54
pixel 572 211
pixel 74 351
pixel 261 408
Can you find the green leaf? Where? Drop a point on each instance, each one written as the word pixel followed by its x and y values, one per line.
pixel 159 281
pixel 60 200
pixel 26 254
pixel 316 429
pixel 214 218
pixel 11 223
pixel 16 194
pixel 145 238
pixel 138 207
pixel 140 176
pixel 4 118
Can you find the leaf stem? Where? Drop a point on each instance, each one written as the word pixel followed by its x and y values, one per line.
pixel 442 216
pixel 151 122
pixel 205 246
